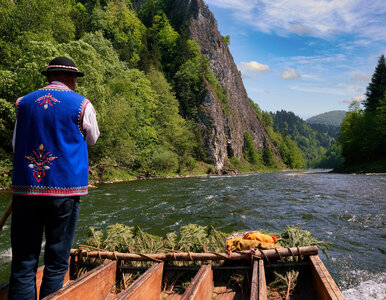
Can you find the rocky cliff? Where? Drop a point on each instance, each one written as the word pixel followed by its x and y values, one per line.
pixel 223 132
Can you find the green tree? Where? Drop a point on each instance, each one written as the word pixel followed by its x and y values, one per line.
pixel 332 158
pixel 7 121
pixel 80 18
pixel 381 126
pixel 352 137
pixel 249 150
pixel 377 86
pixel 121 25
pixel 227 39
pixel 268 157
pixel 173 130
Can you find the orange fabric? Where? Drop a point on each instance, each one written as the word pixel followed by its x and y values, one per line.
pixel 261 237
pixel 238 244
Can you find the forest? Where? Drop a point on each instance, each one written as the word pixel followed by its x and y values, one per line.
pixel 144 77
pixel 363 132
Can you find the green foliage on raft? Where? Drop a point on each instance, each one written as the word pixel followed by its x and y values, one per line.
pixel 196 238
pixel 192 237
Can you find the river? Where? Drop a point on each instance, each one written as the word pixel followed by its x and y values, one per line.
pixel 347 210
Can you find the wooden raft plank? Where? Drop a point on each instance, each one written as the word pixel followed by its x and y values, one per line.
pixel 324 284
pixel 39 279
pixel 96 284
pixel 262 282
pixel 201 287
pixel 147 286
pixel 4 291
pixel 255 281
pixel 223 293
pixel 258 284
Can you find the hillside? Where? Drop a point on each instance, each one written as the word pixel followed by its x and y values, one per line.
pixel 168 95
pixel 312 143
pixel 333 118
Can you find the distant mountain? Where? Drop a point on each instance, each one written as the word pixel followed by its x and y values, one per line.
pixel 333 118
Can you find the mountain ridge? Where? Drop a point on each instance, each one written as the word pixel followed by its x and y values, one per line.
pixel 334 118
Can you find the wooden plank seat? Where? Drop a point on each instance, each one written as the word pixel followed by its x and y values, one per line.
pixel 201 287
pixel 147 286
pixel 96 284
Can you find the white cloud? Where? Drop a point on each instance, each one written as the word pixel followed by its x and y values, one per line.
pixel 315 60
pixel 355 99
pixel 361 78
pixel 318 18
pixel 319 89
pixel 357 89
pixel 289 74
pixel 253 66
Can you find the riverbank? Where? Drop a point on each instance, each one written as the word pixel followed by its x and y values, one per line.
pixel 378 166
pixel 201 169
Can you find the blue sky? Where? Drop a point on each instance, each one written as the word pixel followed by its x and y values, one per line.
pixel 306 56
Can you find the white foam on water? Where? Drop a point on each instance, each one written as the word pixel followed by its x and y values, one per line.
pixel 372 288
pixel 367 290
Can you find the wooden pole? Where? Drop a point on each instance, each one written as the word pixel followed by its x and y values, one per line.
pixel 190 256
pixel 6 215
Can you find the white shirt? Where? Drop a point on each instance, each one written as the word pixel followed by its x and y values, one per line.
pixel 90 125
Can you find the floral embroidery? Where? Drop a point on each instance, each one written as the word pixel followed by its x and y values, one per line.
pixel 47 100
pixel 40 163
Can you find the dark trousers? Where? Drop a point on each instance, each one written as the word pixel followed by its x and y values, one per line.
pixel 57 216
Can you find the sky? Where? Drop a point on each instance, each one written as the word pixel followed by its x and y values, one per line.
pixel 304 56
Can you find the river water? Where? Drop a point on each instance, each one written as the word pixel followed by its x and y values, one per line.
pixel 347 210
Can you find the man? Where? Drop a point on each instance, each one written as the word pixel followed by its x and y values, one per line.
pixel 54 125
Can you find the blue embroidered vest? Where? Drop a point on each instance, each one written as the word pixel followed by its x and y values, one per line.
pixel 51 157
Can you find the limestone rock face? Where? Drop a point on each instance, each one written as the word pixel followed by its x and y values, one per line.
pixel 223 132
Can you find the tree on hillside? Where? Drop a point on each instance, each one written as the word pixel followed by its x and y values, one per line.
pixel 377 86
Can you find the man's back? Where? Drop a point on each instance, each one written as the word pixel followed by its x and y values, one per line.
pixel 50 151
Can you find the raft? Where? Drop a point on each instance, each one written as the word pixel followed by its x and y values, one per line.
pixel 211 279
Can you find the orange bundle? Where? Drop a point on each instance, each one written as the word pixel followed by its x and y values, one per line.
pixel 264 238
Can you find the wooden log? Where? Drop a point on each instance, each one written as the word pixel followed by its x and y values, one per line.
pixel 325 286
pixel 96 284
pixel 262 281
pixel 201 287
pixel 255 281
pixel 147 286
pixel 258 284
pixel 183 256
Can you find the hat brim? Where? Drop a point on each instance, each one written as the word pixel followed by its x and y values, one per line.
pixel 78 74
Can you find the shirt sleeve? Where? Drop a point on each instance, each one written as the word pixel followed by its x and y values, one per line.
pixel 90 125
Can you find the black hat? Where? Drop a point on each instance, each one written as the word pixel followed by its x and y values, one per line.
pixel 62 64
